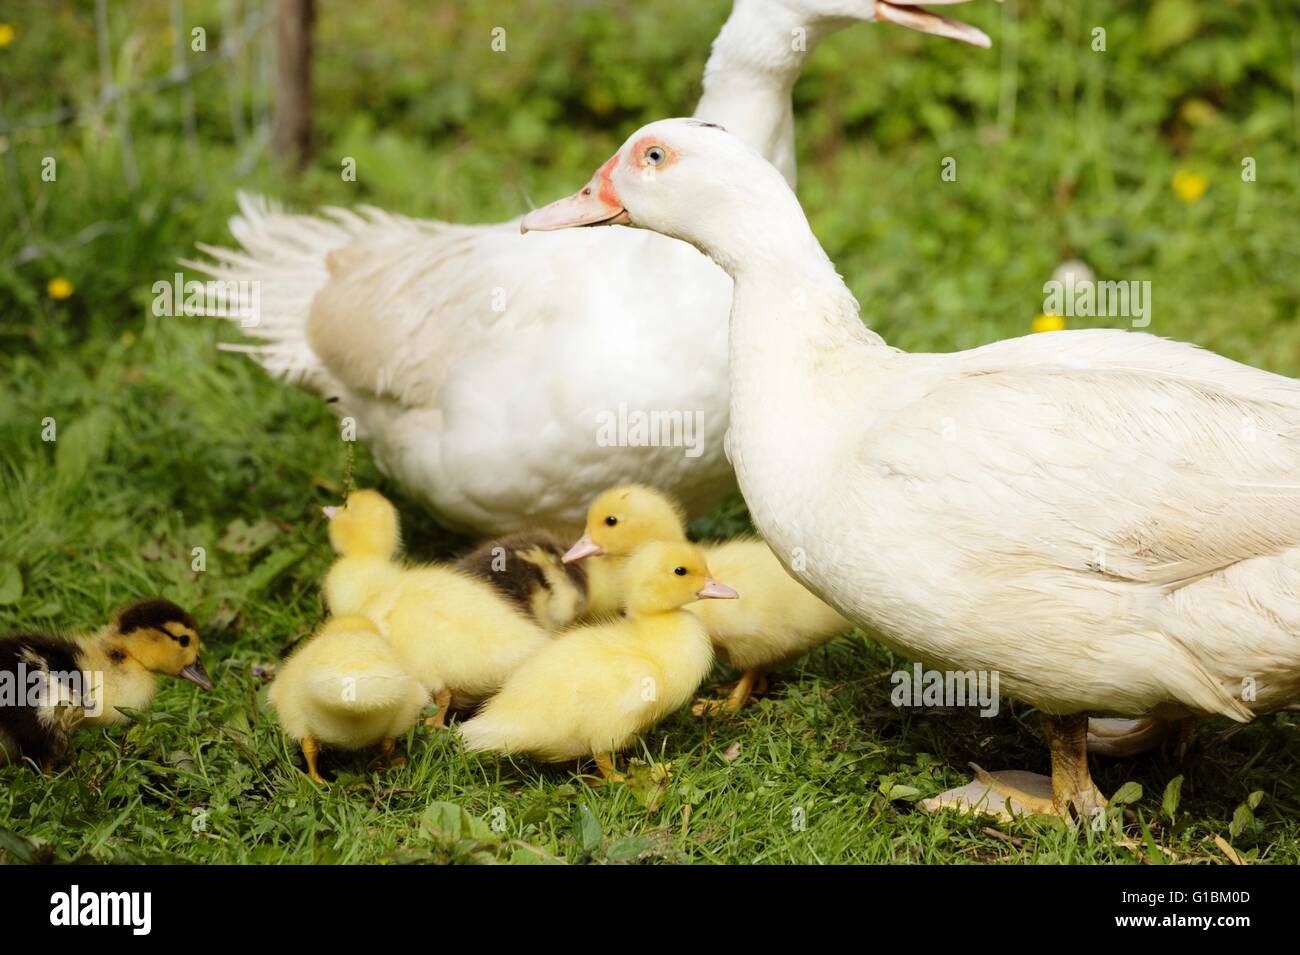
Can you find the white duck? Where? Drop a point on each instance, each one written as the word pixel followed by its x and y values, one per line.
pixel 482 369
pixel 1109 520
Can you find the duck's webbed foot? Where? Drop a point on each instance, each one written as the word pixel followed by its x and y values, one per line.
pixel 1125 737
pixel 1069 793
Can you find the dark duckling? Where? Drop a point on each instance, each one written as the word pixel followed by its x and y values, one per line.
pixel 528 569
pixel 50 684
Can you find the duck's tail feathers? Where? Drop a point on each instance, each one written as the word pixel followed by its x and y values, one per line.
pixel 280 266
pixel 347 691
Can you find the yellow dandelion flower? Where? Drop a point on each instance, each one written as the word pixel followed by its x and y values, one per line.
pixel 1189 186
pixel 1048 323
pixel 7 34
pixel 59 288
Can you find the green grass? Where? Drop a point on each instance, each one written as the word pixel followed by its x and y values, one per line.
pixel 165 445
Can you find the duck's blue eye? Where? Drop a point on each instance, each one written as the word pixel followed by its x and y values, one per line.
pixel 655 155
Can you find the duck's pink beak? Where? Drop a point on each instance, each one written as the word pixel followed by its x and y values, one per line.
pixel 596 203
pixel 716 590
pixel 329 512
pixel 584 548
pixel 905 13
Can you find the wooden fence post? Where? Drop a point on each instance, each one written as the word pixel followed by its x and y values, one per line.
pixel 292 122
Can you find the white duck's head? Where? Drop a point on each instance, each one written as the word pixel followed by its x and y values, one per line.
pixel 693 181
pixel 763 48
pixel 827 16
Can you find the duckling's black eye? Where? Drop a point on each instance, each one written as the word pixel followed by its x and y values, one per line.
pixel 185 641
pixel 611 520
pixel 680 571
pixel 655 155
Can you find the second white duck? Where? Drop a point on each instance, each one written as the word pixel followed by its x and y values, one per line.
pixel 1108 520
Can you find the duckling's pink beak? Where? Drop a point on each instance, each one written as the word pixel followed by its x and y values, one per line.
pixel 584 548
pixel 596 203
pixel 716 590
pixel 329 512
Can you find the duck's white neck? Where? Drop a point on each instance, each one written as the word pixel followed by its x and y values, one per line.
pixel 753 67
pixel 752 225
pixel 796 337
pixel 799 352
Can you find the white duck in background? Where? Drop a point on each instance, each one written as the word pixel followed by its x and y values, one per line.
pixel 1108 520
pixel 481 368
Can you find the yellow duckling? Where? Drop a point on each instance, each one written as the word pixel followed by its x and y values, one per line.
pixel 591 691
pixel 345 688
pixel 778 619
pixel 456 634
pixel 629 516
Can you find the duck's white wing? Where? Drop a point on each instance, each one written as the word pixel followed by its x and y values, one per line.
pixel 1105 452
pixel 387 306
pixel 404 309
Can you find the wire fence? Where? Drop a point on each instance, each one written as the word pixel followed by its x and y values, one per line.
pixel 247 36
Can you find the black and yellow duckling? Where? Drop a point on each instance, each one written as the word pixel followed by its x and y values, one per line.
pixel 50 684
pixel 528 569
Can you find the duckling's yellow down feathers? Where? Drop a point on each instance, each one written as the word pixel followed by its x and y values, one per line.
pixel 452 632
pixel 346 688
pixel 594 688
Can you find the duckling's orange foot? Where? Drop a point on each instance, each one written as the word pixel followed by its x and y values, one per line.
pixel 595 782
pixel 439 719
pixel 608 772
pixel 750 684
pixel 310 752
pixel 708 707
pixel 386 758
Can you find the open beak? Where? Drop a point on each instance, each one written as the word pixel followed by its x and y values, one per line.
pixel 716 590
pixel 906 13
pixel 596 203
pixel 584 548
pixel 197 675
